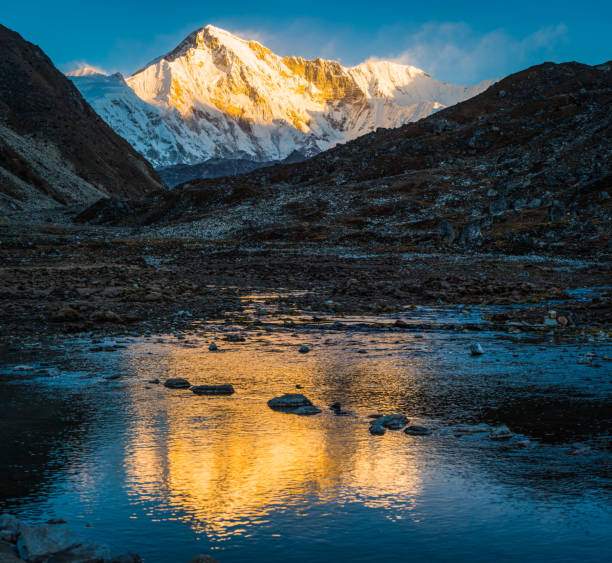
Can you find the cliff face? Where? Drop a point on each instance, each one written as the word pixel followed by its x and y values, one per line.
pixel 54 148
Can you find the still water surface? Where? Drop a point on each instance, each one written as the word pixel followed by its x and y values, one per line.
pixel 168 474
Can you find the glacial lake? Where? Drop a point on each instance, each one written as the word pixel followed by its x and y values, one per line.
pixel 168 474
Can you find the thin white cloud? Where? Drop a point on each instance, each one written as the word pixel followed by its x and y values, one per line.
pixel 455 50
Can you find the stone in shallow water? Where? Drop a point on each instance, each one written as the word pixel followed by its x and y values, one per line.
pixel 468 429
pixel 304 349
pixel 417 430
pixel 36 542
pixel 476 349
pixel 289 401
pixel 306 410
pixel 501 433
pixel 224 389
pixel 177 383
pixel 213 347
pixel 391 421
pixel 377 429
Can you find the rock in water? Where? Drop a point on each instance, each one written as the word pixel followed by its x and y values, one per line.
pixel 289 401
pixel 38 542
pixel 377 429
pixel 476 349
pixel 417 431
pixel 51 542
pixel 223 389
pixel 177 383
pixel 501 433
pixel 213 347
pixel 307 410
pixel 391 421
pixel 304 349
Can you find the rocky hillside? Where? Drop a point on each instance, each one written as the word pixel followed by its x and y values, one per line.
pixel 217 96
pixel 523 167
pixel 54 149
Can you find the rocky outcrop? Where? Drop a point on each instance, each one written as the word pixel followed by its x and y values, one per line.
pixel 523 167
pixel 53 541
pixel 54 149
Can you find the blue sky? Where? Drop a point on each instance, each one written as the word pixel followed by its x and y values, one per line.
pixel 453 41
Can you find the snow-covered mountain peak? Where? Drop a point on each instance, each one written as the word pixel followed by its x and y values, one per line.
pixel 217 95
pixel 86 70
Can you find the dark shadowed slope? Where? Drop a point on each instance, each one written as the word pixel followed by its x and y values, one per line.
pixel 524 166
pixel 54 149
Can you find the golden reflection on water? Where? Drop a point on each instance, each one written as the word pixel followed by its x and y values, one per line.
pixel 222 463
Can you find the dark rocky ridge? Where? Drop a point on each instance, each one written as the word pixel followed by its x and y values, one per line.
pixel 219 167
pixel 524 166
pixel 54 149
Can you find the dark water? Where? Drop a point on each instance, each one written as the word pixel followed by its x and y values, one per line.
pixel 168 474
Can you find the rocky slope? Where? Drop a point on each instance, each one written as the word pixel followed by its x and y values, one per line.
pixel 523 167
pixel 219 96
pixel 54 149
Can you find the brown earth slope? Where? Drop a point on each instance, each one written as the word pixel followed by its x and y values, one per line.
pixel 54 149
pixel 523 167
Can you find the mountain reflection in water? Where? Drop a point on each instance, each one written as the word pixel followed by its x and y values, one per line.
pixel 230 461
pixel 167 473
